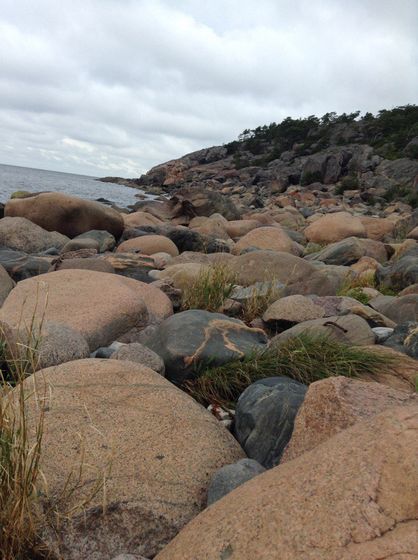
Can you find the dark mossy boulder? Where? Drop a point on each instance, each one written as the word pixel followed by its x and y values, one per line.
pixel 194 339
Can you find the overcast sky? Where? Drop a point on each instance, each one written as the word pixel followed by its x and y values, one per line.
pixel 113 87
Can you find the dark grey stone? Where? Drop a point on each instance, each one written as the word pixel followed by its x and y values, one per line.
pixel 105 239
pixel 194 339
pixel 265 416
pixel 405 339
pixel 230 477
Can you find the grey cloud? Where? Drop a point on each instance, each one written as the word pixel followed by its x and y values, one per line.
pixel 117 86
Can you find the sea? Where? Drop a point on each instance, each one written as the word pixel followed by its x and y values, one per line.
pixel 13 178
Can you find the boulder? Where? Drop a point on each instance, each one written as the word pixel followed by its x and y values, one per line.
pixel 181 275
pixel 378 228
pixel 105 239
pixel 287 311
pixel 265 238
pixel 20 266
pixel 99 306
pixel 399 309
pixel 190 202
pixel 140 219
pixel 229 477
pixel 352 497
pixel 140 354
pixel 350 250
pixel 99 265
pixel 404 338
pixel 78 244
pixel 262 266
pixel 194 339
pixel 402 272
pixel 335 227
pixel 239 228
pixel 156 446
pixel 6 284
pixel 66 214
pixel 21 234
pixel 264 417
pixel 131 265
pixel 349 329
pixel 334 404
pixel 148 245
pixel 212 227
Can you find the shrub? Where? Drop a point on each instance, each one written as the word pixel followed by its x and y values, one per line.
pixel 210 289
pixel 306 358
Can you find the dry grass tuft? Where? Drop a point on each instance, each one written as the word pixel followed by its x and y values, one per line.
pixel 305 358
pixel 210 290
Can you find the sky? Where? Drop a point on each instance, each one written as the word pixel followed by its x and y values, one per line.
pixel 114 87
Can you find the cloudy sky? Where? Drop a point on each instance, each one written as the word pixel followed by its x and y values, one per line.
pixel 113 87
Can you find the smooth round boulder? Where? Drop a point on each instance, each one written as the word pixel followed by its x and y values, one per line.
pixel 78 243
pixel 99 306
pixel 334 404
pixel 351 250
pixel 334 227
pixel 265 238
pixel 155 446
pixel 399 309
pixel 229 477
pixel 194 339
pixel 349 329
pixel 182 276
pixel 148 245
pixel 289 310
pixel 21 234
pixel 352 497
pixel 239 228
pixel 264 266
pixel 140 219
pixel 105 240
pixel 66 214
pixel 264 417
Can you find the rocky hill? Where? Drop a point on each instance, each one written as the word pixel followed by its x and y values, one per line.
pixel 369 160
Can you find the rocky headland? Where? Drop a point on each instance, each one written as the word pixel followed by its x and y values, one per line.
pixel 229 369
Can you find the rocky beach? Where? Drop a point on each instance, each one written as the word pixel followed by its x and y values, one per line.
pixel 227 369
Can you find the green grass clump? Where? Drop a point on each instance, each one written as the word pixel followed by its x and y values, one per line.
pixel 359 295
pixel 210 290
pixel 256 305
pixel 305 358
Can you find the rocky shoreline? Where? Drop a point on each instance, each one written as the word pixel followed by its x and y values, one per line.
pixel 283 298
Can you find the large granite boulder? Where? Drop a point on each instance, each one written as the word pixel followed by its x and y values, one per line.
pixel 349 329
pixel 290 310
pixel 264 417
pixel 350 250
pixel 191 202
pixel 148 245
pixel 334 404
pixel 334 227
pixel 66 214
pixel 352 497
pixel 21 234
pixel 399 309
pixel 265 238
pixel 262 266
pixel 156 448
pixel 98 305
pixel 191 340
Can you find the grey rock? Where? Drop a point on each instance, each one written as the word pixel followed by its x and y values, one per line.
pixel 136 352
pixel 230 477
pixel 191 340
pixel 77 244
pixel 106 351
pixel 398 309
pixel 21 266
pixel 405 339
pixel 105 240
pixel 21 234
pixel 265 416
pixel 382 333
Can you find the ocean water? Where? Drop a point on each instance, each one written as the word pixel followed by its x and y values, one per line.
pixel 14 178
